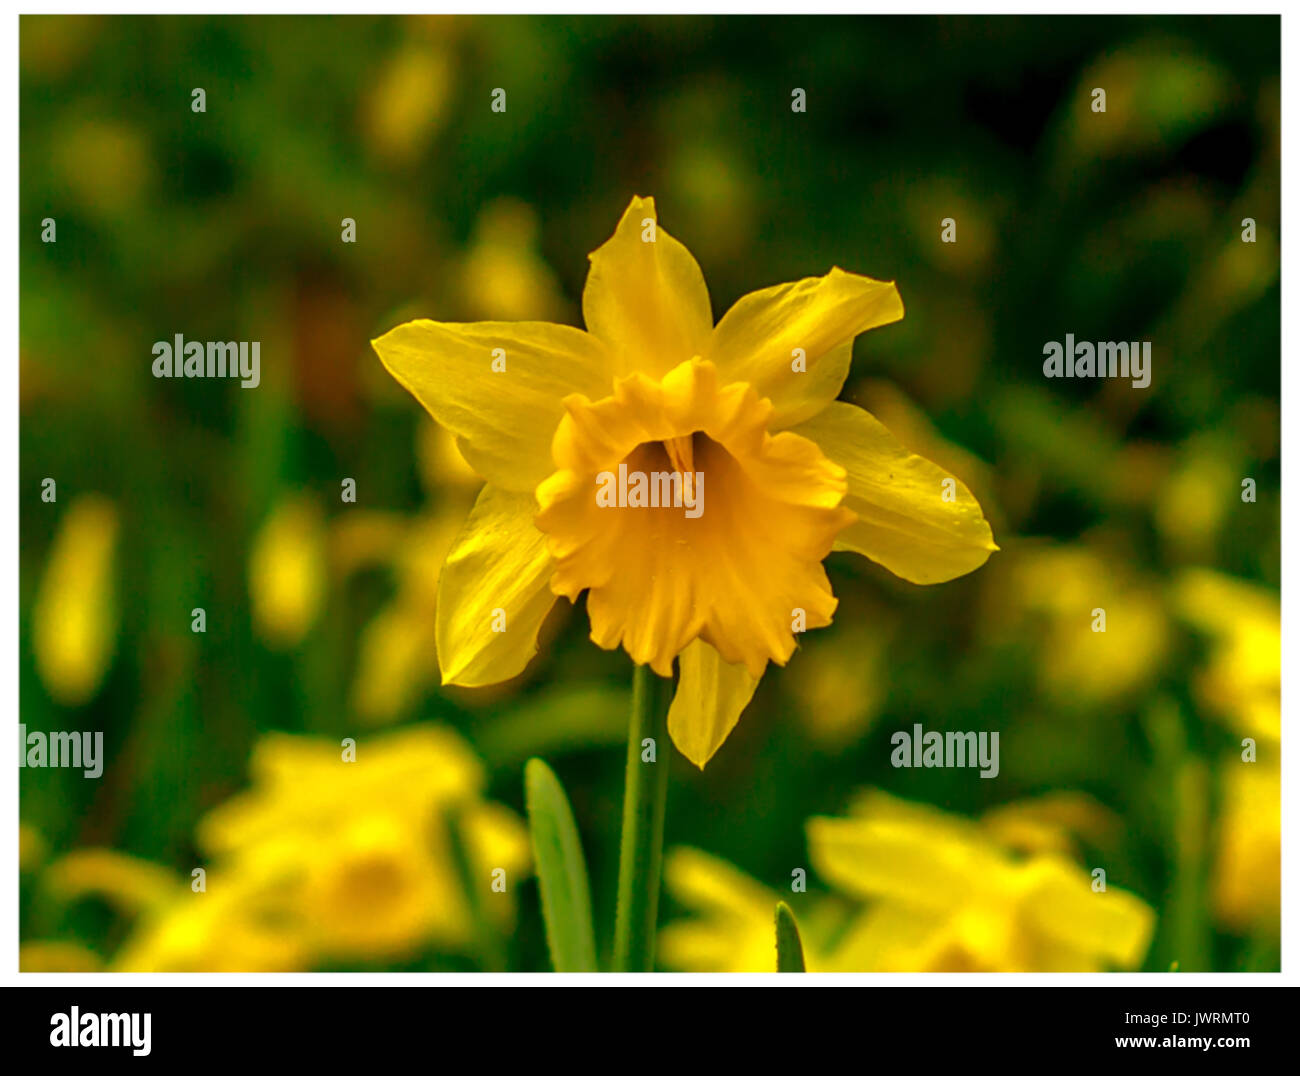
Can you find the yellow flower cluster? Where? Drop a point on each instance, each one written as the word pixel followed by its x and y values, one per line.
pixel 916 889
pixel 1241 683
pixel 324 862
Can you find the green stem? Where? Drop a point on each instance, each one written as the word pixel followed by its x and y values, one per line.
pixel 644 798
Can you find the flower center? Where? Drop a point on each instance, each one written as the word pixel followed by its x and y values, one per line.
pixel 739 568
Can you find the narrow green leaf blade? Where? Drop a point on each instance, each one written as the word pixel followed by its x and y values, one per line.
pixel 789 947
pixel 561 871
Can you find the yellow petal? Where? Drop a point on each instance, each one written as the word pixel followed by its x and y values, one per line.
pixel 904 522
pixel 710 697
pixel 494 592
pixel 733 930
pixel 1060 903
pixel 707 884
pixel 503 407
pixel 133 885
pixel 645 296
pixel 931 867
pixel 759 340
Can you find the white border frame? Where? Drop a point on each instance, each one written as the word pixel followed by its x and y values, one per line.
pixel 10 495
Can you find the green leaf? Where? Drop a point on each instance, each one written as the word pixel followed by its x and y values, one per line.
pixel 561 871
pixel 789 948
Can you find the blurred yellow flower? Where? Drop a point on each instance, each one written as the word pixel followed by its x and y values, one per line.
pixel 408 104
pixel 91 148
pixel 942 893
pixel 733 928
pixel 74 622
pixel 31 848
pixel 541 411
pixel 1156 95
pixel 366 843
pixel 1062 589
pixel 945 896
pixel 53 956
pixel 133 886
pixel 397 661
pixel 321 860
pixel 842 679
pixel 243 921
pixel 503 276
pixel 1242 681
pixel 1050 823
pixel 237 923
pixel 1191 507
pixel 287 571
pixel 1248 867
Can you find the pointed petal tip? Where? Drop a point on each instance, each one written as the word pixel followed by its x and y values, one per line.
pixel 693 757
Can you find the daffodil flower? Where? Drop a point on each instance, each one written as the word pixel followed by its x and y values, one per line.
pixel 541 410
pixel 946 893
pixel 319 861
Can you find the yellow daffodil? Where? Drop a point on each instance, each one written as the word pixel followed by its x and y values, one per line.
pixel 74 622
pixel 541 411
pixel 287 571
pixel 1090 611
pixel 945 895
pixel 941 893
pixel 236 922
pixel 240 920
pixel 320 861
pixel 1241 684
pixel 1248 863
pixel 732 928
pixel 1242 680
pixel 366 843
pixel 733 925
